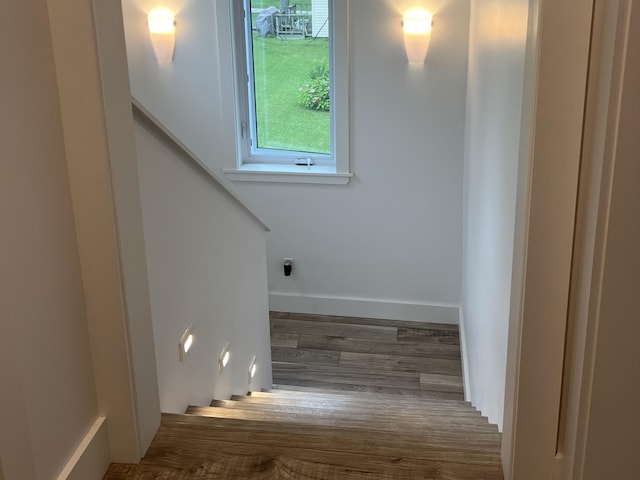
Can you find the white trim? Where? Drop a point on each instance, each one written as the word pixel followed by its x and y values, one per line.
pixel 248 165
pixel 100 152
pixel 466 383
pixel 341 79
pixel 287 174
pixel 606 151
pixel 557 59
pixel 91 459
pixel 364 307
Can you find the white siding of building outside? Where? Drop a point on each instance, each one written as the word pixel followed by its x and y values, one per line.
pixel 320 15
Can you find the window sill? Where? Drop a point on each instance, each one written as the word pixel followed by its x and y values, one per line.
pixel 287 174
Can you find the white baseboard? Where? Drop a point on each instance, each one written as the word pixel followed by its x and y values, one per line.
pixel 364 307
pixel 91 459
pixel 466 384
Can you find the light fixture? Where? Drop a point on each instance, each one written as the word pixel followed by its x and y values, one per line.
pixel 162 29
pixel 186 342
pixel 252 368
pixel 224 357
pixel 417 33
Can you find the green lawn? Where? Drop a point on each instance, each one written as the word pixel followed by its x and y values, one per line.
pixel 281 67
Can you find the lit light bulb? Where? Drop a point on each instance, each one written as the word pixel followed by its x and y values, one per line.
pixel 162 29
pixel 417 33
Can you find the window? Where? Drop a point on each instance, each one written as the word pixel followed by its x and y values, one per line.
pixel 291 70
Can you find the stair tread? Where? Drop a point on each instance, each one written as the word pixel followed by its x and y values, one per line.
pixel 314 385
pixel 479 442
pixel 339 455
pixel 381 423
pixel 399 416
pixel 347 405
pixel 400 398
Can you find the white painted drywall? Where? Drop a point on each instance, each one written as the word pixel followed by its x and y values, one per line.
pixel 395 233
pixel 494 97
pixel 48 399
pixel 207 269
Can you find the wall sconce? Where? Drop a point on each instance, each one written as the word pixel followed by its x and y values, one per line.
pixel 186 342
pixel 162 29
pixel 417 33
pixel 252 369
pixel 223 358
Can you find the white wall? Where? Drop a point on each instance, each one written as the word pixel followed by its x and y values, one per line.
pixel 494 98
pixel 207 268
pixel 48 399
pixel 389 244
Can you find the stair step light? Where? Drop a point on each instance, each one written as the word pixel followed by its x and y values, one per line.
pixel 223 358
pixel 186 342
pixel 252 369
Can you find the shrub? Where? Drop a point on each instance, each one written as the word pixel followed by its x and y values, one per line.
pixel 314 94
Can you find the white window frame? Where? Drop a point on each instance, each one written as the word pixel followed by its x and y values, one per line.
pixel 265 165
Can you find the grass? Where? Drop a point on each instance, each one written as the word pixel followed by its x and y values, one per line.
pixel 281 67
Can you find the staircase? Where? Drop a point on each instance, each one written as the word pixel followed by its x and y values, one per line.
pixel 311 434
pixel 358 399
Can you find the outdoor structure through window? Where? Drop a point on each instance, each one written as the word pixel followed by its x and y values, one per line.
pixel 287 88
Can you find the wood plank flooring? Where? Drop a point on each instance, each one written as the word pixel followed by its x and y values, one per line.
pixel 371 355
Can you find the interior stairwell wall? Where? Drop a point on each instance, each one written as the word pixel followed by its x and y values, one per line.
pixel 207 269
pixel 47 396
pixel 389 243
pixel 497 41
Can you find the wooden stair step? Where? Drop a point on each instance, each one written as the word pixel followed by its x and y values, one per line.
pixel 422 445
pixel 373 390
pixel 381 424
pixel 353 412
pixel 349 404
pixel 349 409
pixel 399 397
pixel 178 443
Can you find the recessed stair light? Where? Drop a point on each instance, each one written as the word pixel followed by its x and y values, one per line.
pixel 186 342
pixel 252 368
pixel 223 358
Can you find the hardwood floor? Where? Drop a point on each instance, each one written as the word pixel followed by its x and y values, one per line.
pixel 355 399
pixel 371 355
